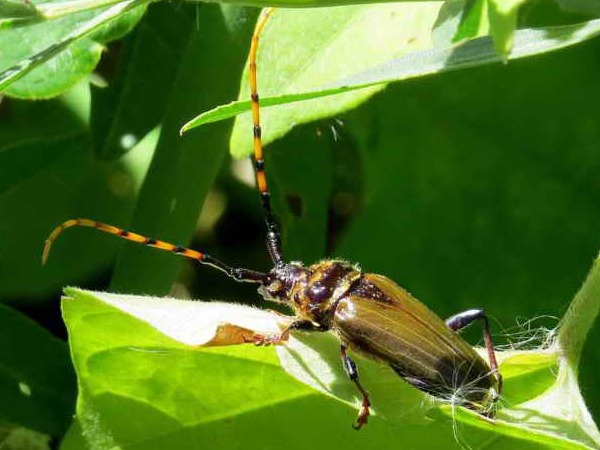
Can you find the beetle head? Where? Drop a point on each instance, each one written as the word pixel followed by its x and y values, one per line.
pixel 312 292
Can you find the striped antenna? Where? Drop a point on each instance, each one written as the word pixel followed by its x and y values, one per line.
pixel 273 233
pixel 235 273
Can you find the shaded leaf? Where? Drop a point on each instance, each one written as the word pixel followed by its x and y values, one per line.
pixel 19 438
pixel 27 150
pixel 303 208
pixel 46 174
pixel 182 170
pixel 458 205
pixel 37 384
pixel 472 53
pixel 136 101
pixel 582 6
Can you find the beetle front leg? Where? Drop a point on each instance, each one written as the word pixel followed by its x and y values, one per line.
pixel 279 338
pixel 462 320
pixel 352 372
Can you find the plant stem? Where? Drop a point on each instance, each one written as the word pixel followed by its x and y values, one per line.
pixel 580 316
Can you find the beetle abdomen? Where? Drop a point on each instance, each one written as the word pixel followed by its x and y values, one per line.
pixel 379 319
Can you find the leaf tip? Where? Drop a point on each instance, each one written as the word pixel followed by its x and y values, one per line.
pixel 185 128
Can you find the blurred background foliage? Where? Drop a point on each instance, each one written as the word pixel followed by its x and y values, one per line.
pixel 477 188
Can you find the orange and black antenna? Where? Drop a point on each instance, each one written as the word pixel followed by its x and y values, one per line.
pixel 239 274
pixel 273 233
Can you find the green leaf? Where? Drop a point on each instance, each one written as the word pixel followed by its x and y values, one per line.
pixel 480 51
pixel 181 392
pixel 458 20
pixel 19 438
pixel 502 15
pixel 579 319
pixel 46 172
pixel 37 384
pixel 45 59
pixel 563 403
pixel 136 100
pixel 582 6
pixel 334 42
pixel 303 208
pixel 21 14
pixel 474 22
pixel 457 206
pixel 73 440
pixel 182 170
pixel 27 150
pixel 12 12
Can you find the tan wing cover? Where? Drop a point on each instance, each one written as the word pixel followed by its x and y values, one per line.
pixel 401 331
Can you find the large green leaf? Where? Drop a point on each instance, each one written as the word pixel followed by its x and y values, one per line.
pixel 135 101
pixel 45 59
pixel 37 384
pixel 69 36
pixel 336 42
pixel 584 6
pixel 46 174
pixel 19 438
pixel 280 119
pixel 182 170
pixel 302 207
pixel 179 392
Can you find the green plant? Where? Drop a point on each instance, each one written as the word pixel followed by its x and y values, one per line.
pixel 471 188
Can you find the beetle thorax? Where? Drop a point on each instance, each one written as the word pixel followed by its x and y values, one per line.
pixel 313 292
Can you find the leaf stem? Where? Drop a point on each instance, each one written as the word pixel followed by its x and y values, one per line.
pixel 580 317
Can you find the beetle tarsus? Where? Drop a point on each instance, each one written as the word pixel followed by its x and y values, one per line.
pixel 264 340
pixel 352 372
pixel 363 415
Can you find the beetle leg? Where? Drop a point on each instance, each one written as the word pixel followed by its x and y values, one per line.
pixel 462 320
pixel 352 372
pixel 279 338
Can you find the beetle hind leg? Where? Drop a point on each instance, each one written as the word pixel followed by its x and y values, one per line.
pixel 462 320
pixel 352 372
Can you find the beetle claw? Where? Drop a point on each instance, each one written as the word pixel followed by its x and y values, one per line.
pixel 363 415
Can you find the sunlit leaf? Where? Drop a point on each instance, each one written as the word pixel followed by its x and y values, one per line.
pixel 192 393
pixel 45 59
pixel 480 51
